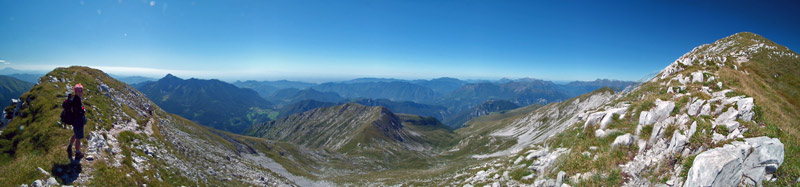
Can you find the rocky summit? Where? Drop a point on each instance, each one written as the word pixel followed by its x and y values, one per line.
pixel 723 114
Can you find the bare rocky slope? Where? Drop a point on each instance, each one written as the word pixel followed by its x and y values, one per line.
pixel 351 128
pixel 724 114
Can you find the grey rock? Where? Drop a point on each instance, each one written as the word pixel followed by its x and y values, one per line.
pixel 677 143
pixel 536 154
pixel 682 120
pixel 716 137
pixel 705 110
pixel 746 108
pixel 37 183
pixel 43 171
pixel 658 132
pixel 694 108
pixel 765 159
pixel 737 163
pixel 643 119
pixel 728 119
pixel 599 133
pixel 560 178
pixel 692 130
pixel 594 119
pixel 545 162
pixel 52 181
pixel 697 76
pixel 610 114
pixel 735 134
pixel 659 113
pixel 623 140
pixel 720 166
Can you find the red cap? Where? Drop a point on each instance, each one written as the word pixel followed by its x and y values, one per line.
pixel 77 86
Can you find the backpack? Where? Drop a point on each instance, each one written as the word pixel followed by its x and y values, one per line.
pixel 66 114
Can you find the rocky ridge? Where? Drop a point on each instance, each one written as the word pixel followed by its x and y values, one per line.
pixel 686 121
pixel 130 138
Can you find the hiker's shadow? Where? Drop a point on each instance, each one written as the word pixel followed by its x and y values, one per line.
pixel 69 172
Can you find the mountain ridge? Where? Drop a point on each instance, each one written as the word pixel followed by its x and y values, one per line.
pixel 210 102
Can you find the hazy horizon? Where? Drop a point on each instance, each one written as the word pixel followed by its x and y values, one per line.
pixel 308 80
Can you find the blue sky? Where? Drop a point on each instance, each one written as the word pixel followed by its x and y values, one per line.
pixel 336 40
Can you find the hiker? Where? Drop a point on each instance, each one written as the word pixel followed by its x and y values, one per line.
pixel 73 114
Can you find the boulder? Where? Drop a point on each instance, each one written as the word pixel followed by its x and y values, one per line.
pixel 544 162
pixel 716 137
pixel 706 90
pixel 659 113
pixel 694 108
pixel 532 154
pixel 644 119
pixel 662 110
pixel 52 181
pixel 705 110
pixel 677 143
pixel 692 130
pixel 607 118
pixel 594 118
pixel 682 120
pixel 765 159
pixel 734 134
pixel 38 183
pixel 519 159
pixel 560 178
pixel 737 163
pixel 720 166
pixel 728 118
pixel 658 132
pixel 623 140
pixel 599 133
pixel 746 108
pixel 697 76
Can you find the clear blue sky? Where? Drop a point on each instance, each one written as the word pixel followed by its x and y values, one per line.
pixel 334 40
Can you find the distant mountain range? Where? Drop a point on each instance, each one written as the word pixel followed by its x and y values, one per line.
pixel 131 80
pixel 209 102
pixel 267 88
pixel 395 90
pixel 486 108
pixel 24 75
pixel 291 95
pixel 447 99
pixel 12 88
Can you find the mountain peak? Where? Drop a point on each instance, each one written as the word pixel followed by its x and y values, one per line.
pixel 743 43
pixel 733 51
pixel 170 76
